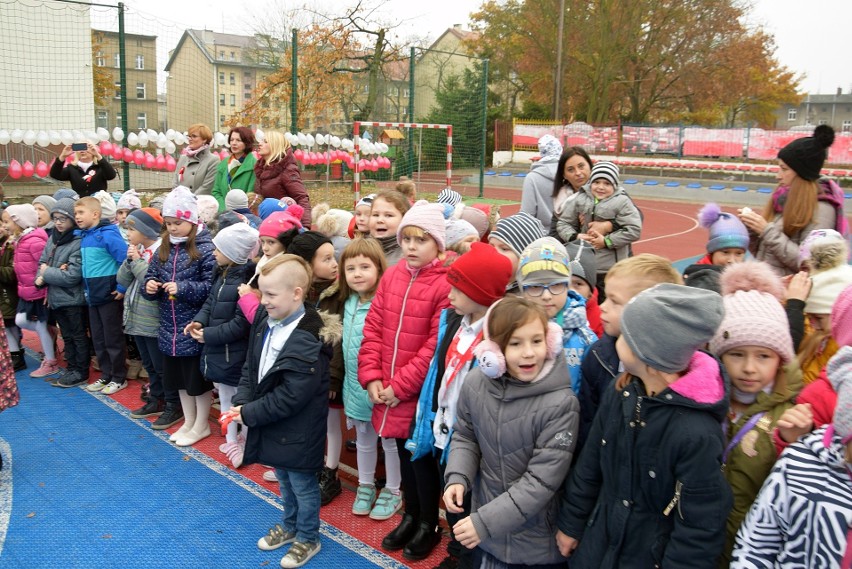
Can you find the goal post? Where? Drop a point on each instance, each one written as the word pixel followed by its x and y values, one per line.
pixel 421 127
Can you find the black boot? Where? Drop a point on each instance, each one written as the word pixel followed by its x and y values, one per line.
pixel 424 541
pixel 330 486
pixel 400 536
pixel 18 361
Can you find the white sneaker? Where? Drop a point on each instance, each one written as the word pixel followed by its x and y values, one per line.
pixel 269 476
pixel 113 387
pixel 97 386
pixel 299 554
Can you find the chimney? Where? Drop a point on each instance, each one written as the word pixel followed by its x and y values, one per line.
pixel 839 91
pixel 457 26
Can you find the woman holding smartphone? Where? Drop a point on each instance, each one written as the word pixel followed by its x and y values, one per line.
pixel 88 171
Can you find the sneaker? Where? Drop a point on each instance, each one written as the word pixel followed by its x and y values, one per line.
pixel 47 367
pixel 234 452
pixel 330 486
pixel 387 504
pixel 269 476
pixel 275 538
pixel 365 496
pixel 71 379
pixel 114 387
pixel 299 554
pixel 97 386
pixel 153 408
pixel 171 415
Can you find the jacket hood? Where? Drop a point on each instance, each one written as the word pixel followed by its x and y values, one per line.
pixel 704 386
pixel 827 446
pixel 544 169
pixel 555 378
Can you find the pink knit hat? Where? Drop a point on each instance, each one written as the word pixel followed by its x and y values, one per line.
pixel 24 215
pixel 752 295
pixel 427 216
pixel 277 223
pixel 182 204
pixel 841 318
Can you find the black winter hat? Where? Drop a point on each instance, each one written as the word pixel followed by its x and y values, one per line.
pixel 806 156
pixel 306 244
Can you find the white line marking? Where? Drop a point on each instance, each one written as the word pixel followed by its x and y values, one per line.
pixel 692 219
pixel 5 491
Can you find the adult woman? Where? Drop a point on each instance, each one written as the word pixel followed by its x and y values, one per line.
pixel 88 171
pixel 535 198
pixel 237 172
pixel 196 169
pixel 277 174
pixel 802 202
pixel 573 170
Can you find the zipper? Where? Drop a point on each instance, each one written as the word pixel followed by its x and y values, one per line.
pixel 500 451
pixel 396 343
pixel 174 311
pixel 675 502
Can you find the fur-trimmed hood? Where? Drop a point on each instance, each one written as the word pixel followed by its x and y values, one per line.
pixel 332 329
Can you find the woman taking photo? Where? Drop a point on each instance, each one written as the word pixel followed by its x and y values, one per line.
pixel 196 169
pixel 237 172
pixel 88 171
pixel 535 198
pixel 277 174
pixel 802 202
pixel 573 171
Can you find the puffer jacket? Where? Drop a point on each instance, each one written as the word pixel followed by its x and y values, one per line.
pixel 8 280
pixel 198 173
pixel 537 196
pixel 648 489
pixel 282 179
pixel 85 183
pixel 141 316
pixel 286 412
pixel 64 285
pixel 512 449
pixel 103 251
pixel 617 208
pixel 599 369
pixel 194 279
pixel 243 178
pixel 225 326
pixel 356 402
pixel 28 250
pixel 750 462
pixel 325 298
pixel 400 334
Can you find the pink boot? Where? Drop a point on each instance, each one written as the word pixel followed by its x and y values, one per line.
pixel 47 367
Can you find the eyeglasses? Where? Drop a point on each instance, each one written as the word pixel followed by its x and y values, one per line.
pixel 552 288
pixel 60 219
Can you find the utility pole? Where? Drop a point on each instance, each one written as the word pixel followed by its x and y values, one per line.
pixel 557 83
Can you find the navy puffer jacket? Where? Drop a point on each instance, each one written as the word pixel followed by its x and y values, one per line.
pixel 194 280
pixel 225 326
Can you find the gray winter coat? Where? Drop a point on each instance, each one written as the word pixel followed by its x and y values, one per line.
pixel 512 444
pixel 537 196
pixel 781 251
pixel 64 286
pixel 141 316
pixel 198 173
pixel 617 208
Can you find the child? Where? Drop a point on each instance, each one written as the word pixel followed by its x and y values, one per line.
pixel 449 196
pixel 221 326
pixel 648 489
pixel 544 275
pixel 584 280
pixel 362 215
pixel 179 278
pixel 237 200
pixel 460 235
pixel 9 297
pixel 407 188
pixel 334 224
pixel 109 207
pixel 128 202
pixel 511 235
pixel 478 280
pixel 386 212
pixel 142 316
pixel 601 365
pixel 603 215
pixel 103 251
pixel 21 223
pixel 283 400
pixel 363 265
pixel 395 356
pixel 755 347
pixel 512 466
pixel 803 513
pixel 44 205
pixel 728 241
pixel 271 230
pixel 61 271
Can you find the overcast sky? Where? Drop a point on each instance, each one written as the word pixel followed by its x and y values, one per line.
pixel 812 37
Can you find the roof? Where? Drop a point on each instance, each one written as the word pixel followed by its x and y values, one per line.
pixel 458 33
pixel 111 33
pixel 845 98
pixel 207 41
pixel 393 134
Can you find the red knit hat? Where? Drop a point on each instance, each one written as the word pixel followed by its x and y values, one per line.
pixel 482 274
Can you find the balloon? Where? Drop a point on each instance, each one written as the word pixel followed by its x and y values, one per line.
pixel 150 161
pixel 4 137
pixel 303 140
pixel 117 152
pixel 299 155
pixel 43 139
pixel 180 139
pixel 55 139
pixel 28 169
pixel 170 134
pixel 91 136
pixel 160 162
pixel 224 155
pixel 29 138
pixel 335 141
pixel 162 141
pixel 143 138
pixel 103 134
pixel 78 136
pixel 374 165
pixel 128 155
pixel 15 169
pixel 310 139
pixel 152 134
pixel 219 139
pixel 106 147
pixel 289 137
pixel 320 139
pixel 170 147
pixel 260 136
pixel 42 169
pixel 138 157
pixel 132 139
pixel 362 164
pixel 118 134
pixel 170 164
pixel 17 136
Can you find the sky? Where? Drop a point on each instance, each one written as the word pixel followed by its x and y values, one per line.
pixel 810 36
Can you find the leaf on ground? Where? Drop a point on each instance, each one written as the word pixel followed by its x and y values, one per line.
pixel 41 484
pixel 106 536
pixel 186 457
pixel 31 515
pixel 264 564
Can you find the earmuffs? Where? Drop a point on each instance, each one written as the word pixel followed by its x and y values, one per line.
pixel 491 360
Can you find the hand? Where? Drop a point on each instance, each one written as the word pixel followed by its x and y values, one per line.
pixel 799 286
pixel 466 534
pixel 602 227
pixel 197 335
pixel 373 389
pixel 752 220
pixel 243 289
pixel 594 238
pixel 39 281
pixel 117 295
pixel 94 151
pixel 387 395
pixel 63 267
pixel 188 329
pixel 332 395
pixel 795 422
pixel 237 412
pixel 170 288
pixel 66 152
pixel 453 498
pixel 42 267
pixel 152 286
pixel 133 253
pixel 566 544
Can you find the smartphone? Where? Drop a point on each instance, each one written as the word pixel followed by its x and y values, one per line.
pixel 79 146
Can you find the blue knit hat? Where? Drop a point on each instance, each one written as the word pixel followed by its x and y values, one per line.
pixel 269 206
pixel 726 230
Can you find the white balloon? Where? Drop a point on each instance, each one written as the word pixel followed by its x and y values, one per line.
pixel 132 139
pixel 383 148
pixel 260 136
pixel 335 141
pixel 152 134
pixel 310 139
pixel 170 134
pixel 180 139
pixel 118 134
pixel 143 138
pixel 66 138
pixel 103 134
pixel 170 147
pixel 43 139
pixel 162 141
pixel 92 136
pixel 17 136
pixel 5 138
pixel 320 139
pixel 29 138
pixel 54 137
pixel 303 140
pixel 290 138
pixel 219 139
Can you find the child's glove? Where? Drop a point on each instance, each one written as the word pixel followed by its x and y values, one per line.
pixel 226 419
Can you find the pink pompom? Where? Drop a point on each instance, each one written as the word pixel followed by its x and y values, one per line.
pixel 709 214
pixel 752 275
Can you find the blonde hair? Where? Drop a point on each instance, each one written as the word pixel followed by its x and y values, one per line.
pixel 90 203
pixel 407 188
pixel 646 270
pixel 201 130
pixel 394 198
pixel 361 247
pixel 278 146
pixel 293 277
pixel 799 208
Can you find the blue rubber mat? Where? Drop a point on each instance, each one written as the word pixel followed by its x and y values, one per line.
pixel 83 485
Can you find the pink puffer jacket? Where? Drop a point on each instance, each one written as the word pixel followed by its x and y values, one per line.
pixel 400 334
pixel 27 253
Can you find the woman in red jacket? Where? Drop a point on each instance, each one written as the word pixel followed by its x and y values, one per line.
pixel 277 174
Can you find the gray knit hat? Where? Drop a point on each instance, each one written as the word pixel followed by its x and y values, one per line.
pixel 64 206
pixel 66 193
pixel 518 231
pixel 665 325
pixel 236 199
pixel 606 170
pixel 47 201
pixel 583 263
pixel 237 242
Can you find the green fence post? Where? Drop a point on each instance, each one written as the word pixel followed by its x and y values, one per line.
pixel 409 167
pixel 122 77
pixel 484 124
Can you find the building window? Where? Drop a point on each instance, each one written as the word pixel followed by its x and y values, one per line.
pixel 233 100
pixel 222 55
pixel 99 59
pixel 140 90
pixel 117 60
pixel 247 86
pixel 233 79
pixel 118 90
pixel 138 43
pixel 222 100
pixel 221 78
pixel 791 114
pixel 140 62
pixel 247 96
pixel 847 126
pixel 233 56
pixel 221 120
pixel 118 119
pixel 141 121
pixel 103 119
pixel 246 73
pixel 822 121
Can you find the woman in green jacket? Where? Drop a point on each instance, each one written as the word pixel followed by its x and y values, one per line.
pixel 237 172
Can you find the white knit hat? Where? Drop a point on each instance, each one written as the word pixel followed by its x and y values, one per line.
pixel 237 242
pixel 182 204
pixel 108 205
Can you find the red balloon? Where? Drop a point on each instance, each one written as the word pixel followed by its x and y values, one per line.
pixel 117 152
pixel 299 155
pixel 160 162
pixel 42 169
pixel 170 163
pixel 15 171
pixel 127 156
pixel 150 161
pixel 28 169
pixel 374 165
pixel 138 157
pixel 106 148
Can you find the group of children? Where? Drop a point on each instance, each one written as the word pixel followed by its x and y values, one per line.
pixel 641 431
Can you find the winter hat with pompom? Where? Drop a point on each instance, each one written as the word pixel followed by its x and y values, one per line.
pixel 817 236
pixel 458 229
pixel 752 294
pixel 726 230
pixel 450 196
pixel 277 223
pixel 427 216
pixel 334 223
pixel 806 156
pixel 208 208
